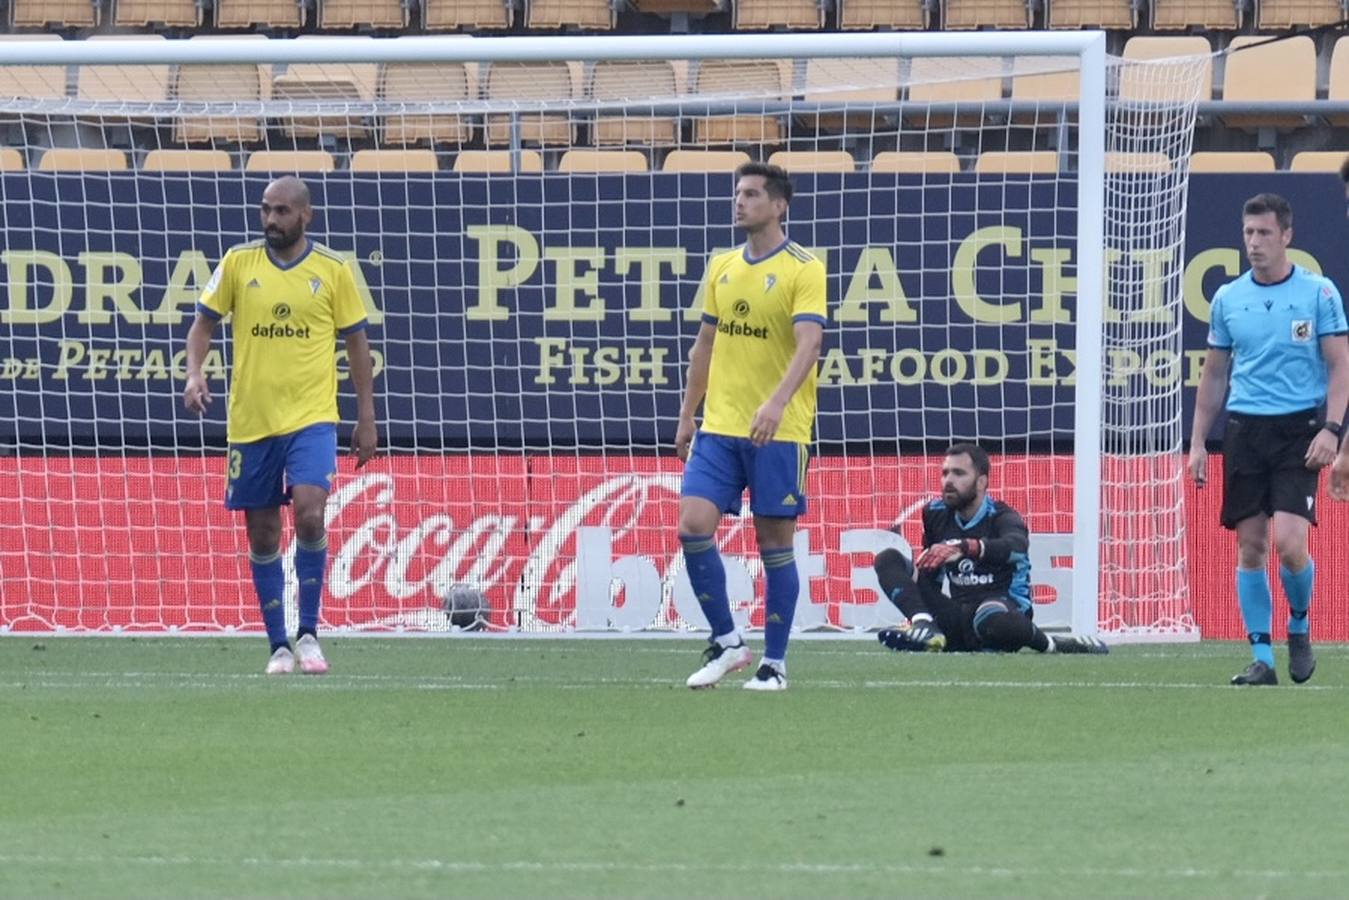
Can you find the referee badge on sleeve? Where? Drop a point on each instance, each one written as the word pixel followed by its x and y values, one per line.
pixel 1302 330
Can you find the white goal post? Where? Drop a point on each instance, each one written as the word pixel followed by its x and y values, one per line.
pixel 1001 215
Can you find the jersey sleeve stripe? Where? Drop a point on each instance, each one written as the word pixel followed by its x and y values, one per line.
pixel 809 317
pixel 209 313
pixel 709 320
pixel 353 328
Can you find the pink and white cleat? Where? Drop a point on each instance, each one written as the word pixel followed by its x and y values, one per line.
pixel 311 655
pixel 282 662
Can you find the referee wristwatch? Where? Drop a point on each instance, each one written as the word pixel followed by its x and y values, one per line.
pixel 1335 428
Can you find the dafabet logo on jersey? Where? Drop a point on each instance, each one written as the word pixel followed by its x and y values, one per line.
pixel 280 328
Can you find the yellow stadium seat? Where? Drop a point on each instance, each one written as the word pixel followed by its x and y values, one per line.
pixel 1145 82
pixel 187 161
pixel 290 161
pixel 362 14
pixel 1030 83
pixel 1213 15
pixel 1247 77
pixel 1113 14
pixel 1339 78
pixel 763 79
pixel 62 13
pixel 1127 163
pixel 704 160
pixel 593 15
pixel 887 14
pixel 32 82
pixel 497 162
pixel 760 14
pixel 635 81
pixel 242 83
pixel 472 15
pixel 1277 14
pixel 1319 161
pixel 814 161
pixel 327 81
pixel 937 79
pixel 916 162
pixel 965 14
pixel 412 82
pixel 1231 162
pixel 831 81
pixel 82 159
pixel 1017 162
pixel 394 161
pixel 173 13
pixel 11 160
pixel 142 84
pixel 526 82
pixel 264 13
pixel 603 161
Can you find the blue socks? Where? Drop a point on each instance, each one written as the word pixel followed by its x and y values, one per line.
pixel 782 585
pixel 311 562
pixel 707 575
pixel 1256 611
pixel 1297 586
pixel 269 579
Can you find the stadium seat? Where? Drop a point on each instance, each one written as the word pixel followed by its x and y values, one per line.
pixel 136 84
pixel 11 160
pixel 531 81
pixel 32 82
pixel 61 13
pixel 326 81
pixel 497 162
pixel 805 161
pixel 1017 162
pixel 260 13
pixel 593 15
pixel 394 161
pixel 1213 15
pixel 825 79
pixel 187 161
pixel 635 81
pixel 761 14
pixel 290 161
pixel 888 14
pixel 603 161
pixel 243 83
pixel 1339 79
pixel 959 15
pixel 1247 77
pixel 916 162
pixel 82 159
pixel 704 160
pixel 1118 14
pixel 1031 83
pixel 1232 162
pixel 1127 163
pixel 414 82
pixel 1276 14
pixel 472 15
pixel 1151 83
pixel 763 79
pixel 172 13
pixel 347 14
pixel 1319 161
pixel 938 79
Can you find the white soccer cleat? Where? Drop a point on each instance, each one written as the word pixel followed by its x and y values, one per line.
pixel 767 678
pixel 311 655
pixel 718 662
pixel 282 662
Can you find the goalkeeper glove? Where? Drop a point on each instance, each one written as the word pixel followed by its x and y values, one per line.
pixel 938 555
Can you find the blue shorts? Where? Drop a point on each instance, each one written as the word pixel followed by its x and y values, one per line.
pixel 261 474
pixel 720 468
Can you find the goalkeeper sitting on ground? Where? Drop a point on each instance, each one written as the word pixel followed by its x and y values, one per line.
pixel 979 545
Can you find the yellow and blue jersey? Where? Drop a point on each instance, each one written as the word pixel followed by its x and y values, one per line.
pixel 754 304
pixel 285 321
pixel 1273 332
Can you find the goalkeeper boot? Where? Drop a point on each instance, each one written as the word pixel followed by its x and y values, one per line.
pixel 1078 643
pixel 718 662
pixel 1256 673
pixel 767 678
pixel 311 655
pixel 282 662
pixel 1301 662
pixel 924 637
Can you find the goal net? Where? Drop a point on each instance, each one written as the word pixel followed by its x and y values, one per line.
pixel 528 222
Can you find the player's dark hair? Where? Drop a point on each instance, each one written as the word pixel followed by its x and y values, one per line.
pixel 1344 170
pixel 1270 203
pixel 974 452
pixel 775 179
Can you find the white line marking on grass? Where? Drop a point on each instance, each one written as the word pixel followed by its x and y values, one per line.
pixel 584 866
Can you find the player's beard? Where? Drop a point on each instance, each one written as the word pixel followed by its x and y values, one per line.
pixel 284 240
pixel 957 499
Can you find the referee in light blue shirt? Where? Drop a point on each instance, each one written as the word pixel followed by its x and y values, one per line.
pixel 1280 331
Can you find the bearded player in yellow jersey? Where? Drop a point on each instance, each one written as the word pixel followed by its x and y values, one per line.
pixel 754 363
pixel 289 299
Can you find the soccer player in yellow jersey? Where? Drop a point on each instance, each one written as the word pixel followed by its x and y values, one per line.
pixel 753 362
pixel 289 299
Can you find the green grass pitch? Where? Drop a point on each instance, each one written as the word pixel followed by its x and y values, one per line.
pixel 467 766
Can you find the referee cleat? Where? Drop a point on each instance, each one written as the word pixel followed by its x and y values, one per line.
pixel 767 678
pixel 1079 643
pixel 1301 662
pixel 718 662
pixel 282 662
pixel 1257 673
pixel 913 639
pixel 311 655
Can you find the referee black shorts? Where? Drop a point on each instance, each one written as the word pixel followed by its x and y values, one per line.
pixel 1265 466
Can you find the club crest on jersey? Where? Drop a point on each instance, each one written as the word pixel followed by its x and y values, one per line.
pixel 1302 330
pixel 768 282
pixel 314 285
